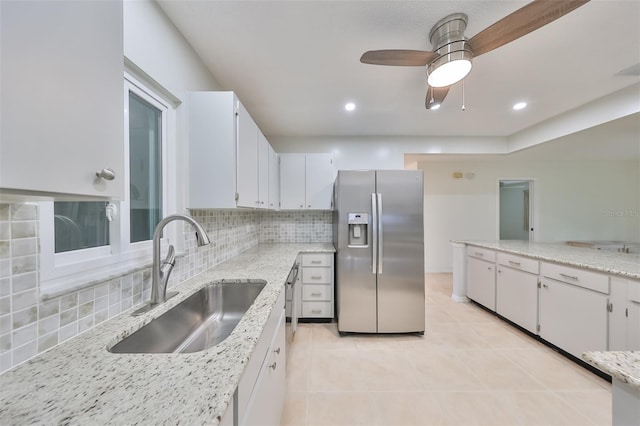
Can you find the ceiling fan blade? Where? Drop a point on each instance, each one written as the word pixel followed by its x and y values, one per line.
pixel 435 96
pixel 529 18
pixel 397 57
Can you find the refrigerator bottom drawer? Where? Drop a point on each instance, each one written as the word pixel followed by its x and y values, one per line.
pixel 317 310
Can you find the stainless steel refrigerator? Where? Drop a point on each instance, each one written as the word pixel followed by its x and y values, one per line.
pixel 378 235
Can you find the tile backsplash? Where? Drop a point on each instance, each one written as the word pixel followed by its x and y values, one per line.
pixel 29 325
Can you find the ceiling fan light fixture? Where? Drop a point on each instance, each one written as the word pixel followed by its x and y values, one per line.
pixel 449 68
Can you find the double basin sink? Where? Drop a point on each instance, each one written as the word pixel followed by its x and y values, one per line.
pixel 199 322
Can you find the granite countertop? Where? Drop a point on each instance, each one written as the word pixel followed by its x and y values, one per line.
pixel 624 366
pixel 623 264
pixel 80 382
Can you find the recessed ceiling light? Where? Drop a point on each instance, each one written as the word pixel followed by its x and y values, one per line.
pixel 519 105
pixel 350 106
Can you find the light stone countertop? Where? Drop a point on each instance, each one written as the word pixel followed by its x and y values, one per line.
pixel 80 382
pixel 622 264
pixel 624 366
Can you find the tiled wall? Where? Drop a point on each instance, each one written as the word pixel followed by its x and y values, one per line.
pixel 295 226
pixel 29 326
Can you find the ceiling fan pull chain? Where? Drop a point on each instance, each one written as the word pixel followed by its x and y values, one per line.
pixel 463 107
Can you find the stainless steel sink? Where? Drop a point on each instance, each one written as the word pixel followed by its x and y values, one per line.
pixel 201 321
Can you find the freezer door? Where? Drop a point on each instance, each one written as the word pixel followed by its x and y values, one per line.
pixel 355 277
pixel 401 266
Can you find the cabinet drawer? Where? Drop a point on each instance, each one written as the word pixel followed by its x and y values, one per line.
pixel 575 276
pixel 481 253
pixel 633 291
pixel 317 259
pixel 518 262
pixel 317 310
pixel 312 292
pixel 317 275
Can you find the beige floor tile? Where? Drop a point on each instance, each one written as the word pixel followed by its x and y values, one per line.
pixel 325 337
pixel 407 408
pixel 504 336
pixel 340 408
pixel 443 371
pixel 470 368
pixel 294 412
pixel 497 372
pixel 553 370
pixel 474 408
pixel 595 405
pixel 298 363
pixel 540 408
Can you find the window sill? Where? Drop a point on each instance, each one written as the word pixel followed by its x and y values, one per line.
pixel 72 283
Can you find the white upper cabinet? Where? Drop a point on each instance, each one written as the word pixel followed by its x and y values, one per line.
pixel 228 154
pixel 306 181
pixel 274 179
pixel 263 171
pixel 292 181
pixel 247 167
pixel 62 85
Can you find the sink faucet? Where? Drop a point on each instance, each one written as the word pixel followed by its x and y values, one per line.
pixel 161 270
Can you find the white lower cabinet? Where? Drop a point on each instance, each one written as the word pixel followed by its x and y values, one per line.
pixel 261 390
pixel 624 315
pixel 316 279
pixel 517 297
pixel 572 318
pixel 481 281
pixel 267 400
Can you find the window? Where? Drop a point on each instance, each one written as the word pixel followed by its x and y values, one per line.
pixel 81 236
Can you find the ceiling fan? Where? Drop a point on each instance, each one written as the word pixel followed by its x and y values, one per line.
pixel 450 60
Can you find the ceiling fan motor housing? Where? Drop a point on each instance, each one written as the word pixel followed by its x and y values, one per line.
pixel 448 41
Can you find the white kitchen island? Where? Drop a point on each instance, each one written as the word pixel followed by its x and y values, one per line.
pixel 575 298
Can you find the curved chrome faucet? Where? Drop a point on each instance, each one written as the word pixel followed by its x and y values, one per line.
pixel 161 270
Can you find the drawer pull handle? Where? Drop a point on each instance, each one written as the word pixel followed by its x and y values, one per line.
pixel 277 351
pixel 545 285
pixel 316 277
pixel 489 268
pixel 514 263
pixel 477 253
pixel 316 311
pixel 568 276
pixel 316 262
pixel 316 294
pixel 273 366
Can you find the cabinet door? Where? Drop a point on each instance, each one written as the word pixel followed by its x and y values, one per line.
pixel 573 318
pixel 265 406
pixel 292 181
pixel 481 282
pixel 274 179
pixel 517 297
pixel 263 171
pixel 62 86
pixel 320 176
pixel 618 315
pixel 633 326
pixel 247 162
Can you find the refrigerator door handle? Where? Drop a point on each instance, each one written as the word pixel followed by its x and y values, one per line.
pixel 380 233
pixel 374 230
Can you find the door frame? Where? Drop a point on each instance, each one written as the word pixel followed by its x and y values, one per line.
pixel 532 203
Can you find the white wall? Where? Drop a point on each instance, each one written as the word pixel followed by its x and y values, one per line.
pixel 158 49
pixel 572 201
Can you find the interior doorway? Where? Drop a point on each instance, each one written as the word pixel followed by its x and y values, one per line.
pixel 515 198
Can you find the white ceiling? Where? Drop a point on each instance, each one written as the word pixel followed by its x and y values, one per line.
pixel 294 64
